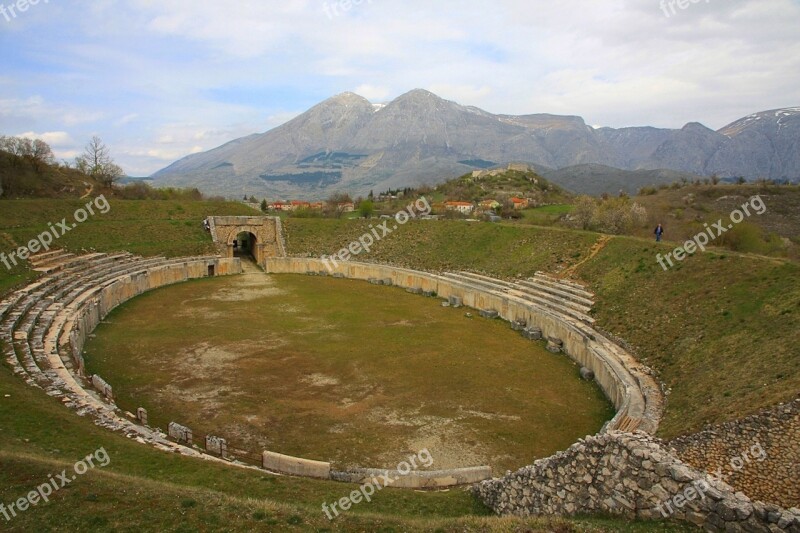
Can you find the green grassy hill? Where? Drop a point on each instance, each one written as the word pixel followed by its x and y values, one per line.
pixel 683 211
pixel 22 178
pixel 721 330
pixel 503 185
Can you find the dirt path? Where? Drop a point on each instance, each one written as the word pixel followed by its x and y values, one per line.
pixel 598 247
pixel 91 189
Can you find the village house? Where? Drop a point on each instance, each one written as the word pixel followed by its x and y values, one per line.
pixel 280 206
pixel 519 203
pixel 465 208
pixel 488 205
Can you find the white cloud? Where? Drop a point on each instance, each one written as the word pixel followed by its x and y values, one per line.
pixel 53 138
pixel 373 93
pixel 127 119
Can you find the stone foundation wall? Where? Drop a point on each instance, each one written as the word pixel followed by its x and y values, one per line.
pixel 434 479
pixel 634 476
pixel 758 455
pixel 296 466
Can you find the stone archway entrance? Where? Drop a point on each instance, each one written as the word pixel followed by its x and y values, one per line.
pixel 245 245
pixel 261 237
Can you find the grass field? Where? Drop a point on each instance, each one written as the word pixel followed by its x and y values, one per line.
pixel 504 249
pixel 343 371
pixel 546 215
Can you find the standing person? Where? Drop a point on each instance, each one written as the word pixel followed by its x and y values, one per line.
pixel 659 232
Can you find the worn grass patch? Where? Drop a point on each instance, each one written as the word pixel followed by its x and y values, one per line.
pixel 343 371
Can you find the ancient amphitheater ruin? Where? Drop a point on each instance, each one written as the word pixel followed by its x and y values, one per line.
pixel 624 470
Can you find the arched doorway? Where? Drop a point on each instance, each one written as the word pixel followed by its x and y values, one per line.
pixel 259 237
pixel 245 245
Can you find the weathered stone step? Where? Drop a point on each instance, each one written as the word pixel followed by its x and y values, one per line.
pixel 42 258
pixel 569 286
pixel 554 296
pixel 549 304
pixel 540 287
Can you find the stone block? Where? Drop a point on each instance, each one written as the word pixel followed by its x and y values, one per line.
pixel 141 415
pixel 217 446
pixel 456 301
pixel 532 333
pixel 587 374
pixel 180 433
pixel 553 347
pixel 102 387
pixel 296 466
pixel 490 313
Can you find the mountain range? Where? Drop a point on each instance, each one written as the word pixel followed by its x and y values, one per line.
pixel 347 143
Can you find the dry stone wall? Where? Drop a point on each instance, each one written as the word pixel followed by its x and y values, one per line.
pixel 634 476
pixel 758 455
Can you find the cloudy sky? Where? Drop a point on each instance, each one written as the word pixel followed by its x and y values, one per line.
pixel 158 80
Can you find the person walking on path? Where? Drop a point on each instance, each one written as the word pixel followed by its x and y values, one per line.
pixel 659 232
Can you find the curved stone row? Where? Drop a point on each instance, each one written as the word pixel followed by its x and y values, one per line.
pixel 43 326
pixel 556 309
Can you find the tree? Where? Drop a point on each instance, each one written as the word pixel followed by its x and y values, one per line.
pixel 35 151
pixel 334 206
pixel 96 162
pixel 585 211
pixel 366 208
pixel 264 205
